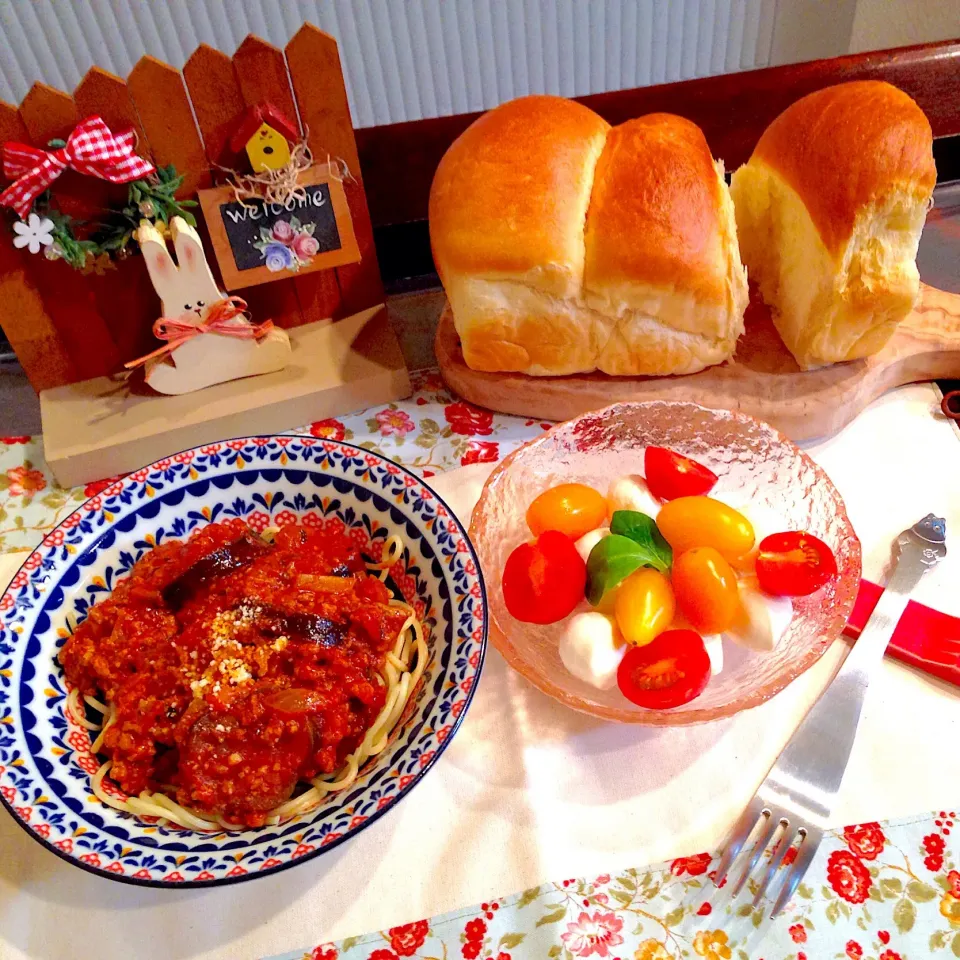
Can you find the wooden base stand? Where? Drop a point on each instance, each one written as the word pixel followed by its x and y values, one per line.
pixel 100 427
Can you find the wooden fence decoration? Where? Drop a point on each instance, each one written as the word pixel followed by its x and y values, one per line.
pixel 65 326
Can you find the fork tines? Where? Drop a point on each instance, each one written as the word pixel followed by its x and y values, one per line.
pixel 760 825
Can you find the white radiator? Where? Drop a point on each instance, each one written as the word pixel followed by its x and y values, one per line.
pixel 404 59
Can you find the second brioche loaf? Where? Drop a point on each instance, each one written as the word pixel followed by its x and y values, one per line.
pixel 829 212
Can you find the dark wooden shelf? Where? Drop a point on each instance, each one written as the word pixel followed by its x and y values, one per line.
pixel 399 160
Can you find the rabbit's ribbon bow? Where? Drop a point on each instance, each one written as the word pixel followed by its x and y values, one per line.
pixel 92 149
pixel 219 318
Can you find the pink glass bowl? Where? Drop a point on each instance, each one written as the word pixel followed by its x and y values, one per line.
pixel 748 456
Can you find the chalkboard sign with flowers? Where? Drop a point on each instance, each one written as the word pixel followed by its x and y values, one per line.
pixel 257 240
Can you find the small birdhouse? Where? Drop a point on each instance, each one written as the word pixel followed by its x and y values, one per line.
pixel 266 135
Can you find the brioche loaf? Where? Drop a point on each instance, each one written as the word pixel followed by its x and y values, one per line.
pixel 566 246
pixel 829 211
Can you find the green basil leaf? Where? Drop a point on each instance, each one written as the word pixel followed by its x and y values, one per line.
pixel 644 532
pixel 612 559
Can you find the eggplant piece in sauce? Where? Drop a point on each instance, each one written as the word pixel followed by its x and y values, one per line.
pixel 234 556
pixel 273 622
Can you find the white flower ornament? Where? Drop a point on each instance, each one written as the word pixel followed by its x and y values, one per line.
pixel 35 233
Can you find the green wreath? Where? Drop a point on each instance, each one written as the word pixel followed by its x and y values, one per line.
pixel 152 198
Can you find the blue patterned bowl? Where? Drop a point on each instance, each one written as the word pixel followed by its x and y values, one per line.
pixel 45 759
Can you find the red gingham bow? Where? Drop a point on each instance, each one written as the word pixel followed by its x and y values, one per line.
pixel 92 149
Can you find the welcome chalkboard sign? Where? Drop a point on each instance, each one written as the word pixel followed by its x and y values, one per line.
pixel 257 242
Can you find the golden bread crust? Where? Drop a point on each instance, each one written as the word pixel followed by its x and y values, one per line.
pixel 510 195
pixel 849 146
pixel 655 211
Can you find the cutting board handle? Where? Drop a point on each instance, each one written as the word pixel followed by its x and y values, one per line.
pixel 936 316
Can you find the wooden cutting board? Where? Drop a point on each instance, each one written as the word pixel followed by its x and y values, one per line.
pixel 762 379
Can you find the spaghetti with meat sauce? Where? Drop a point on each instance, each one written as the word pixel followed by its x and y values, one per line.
pixel 241 680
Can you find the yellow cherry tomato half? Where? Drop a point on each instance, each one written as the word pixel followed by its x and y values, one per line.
pixel 571 508
pixel 644 606
pixel 689 522
pixel 705 586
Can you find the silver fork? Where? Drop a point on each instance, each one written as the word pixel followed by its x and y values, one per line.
pixel 797 796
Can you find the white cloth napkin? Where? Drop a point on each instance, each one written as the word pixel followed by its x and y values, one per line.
pixel 529 790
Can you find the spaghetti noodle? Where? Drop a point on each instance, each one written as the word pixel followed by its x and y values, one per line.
pixel 321 663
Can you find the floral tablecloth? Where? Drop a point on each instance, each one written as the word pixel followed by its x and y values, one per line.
pixel 431 432
pixel 874 892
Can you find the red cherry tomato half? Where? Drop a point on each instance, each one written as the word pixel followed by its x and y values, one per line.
pixel 794 564
pixel 669 671
pixel 543 581
pixel 670 475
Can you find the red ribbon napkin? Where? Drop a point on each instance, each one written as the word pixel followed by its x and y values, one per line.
pixel 92 149
pixel 924 638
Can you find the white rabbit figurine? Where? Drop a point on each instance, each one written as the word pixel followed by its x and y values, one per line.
pixel 187 292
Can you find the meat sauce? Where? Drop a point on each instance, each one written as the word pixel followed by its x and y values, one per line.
pixel 237 668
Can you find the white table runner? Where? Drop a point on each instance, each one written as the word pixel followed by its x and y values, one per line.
pixel 529 790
